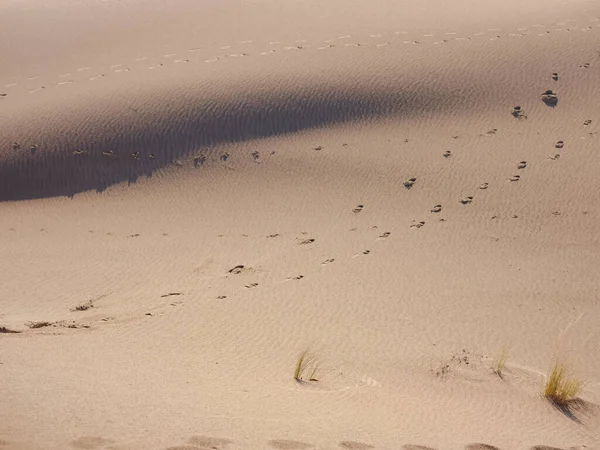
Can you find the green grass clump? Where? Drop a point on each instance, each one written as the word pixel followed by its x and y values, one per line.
pixel 561 388
pixel 306 368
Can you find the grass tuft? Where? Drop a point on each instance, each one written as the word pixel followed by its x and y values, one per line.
pixel 561 388
pixel 500 364
pixel 306 368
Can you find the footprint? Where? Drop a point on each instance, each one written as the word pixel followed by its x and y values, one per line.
pixel 318 148
pixel 409 183
pixel 436 209
pixel 225 156
pixel 284 444
pixel 273 235
pixel 221 297
pixel 518 113
pixel 306 241
pixel 559 144
pixel 79 152
pixel 209 442
pixel 483 186
pixel 251 285
pixel 15 146
pixel 585 65
pixel 466 200
pixel 299 277
pixel 358 209
pixel 327 261
pixel 447 154
pixel 550 98
pixel 555 76
pixel 237 269
pixel 136 156
pixel 522 165
pixel 417 224
pixel 416 447
pixel 515 178
pixel 384 235
pixel 587 122
pixel 199 160
pixel 366 252
pixel 355 445
pixel 255 156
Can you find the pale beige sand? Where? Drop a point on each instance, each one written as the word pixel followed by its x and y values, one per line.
pixel 406 320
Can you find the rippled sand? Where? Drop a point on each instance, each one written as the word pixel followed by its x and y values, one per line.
pixel 192 194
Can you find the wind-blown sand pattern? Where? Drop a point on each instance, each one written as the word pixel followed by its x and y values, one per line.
pixel 194 193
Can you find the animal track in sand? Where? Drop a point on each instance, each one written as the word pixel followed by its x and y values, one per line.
pixel 555 76
pixel 358 209
pixel 466 200
pixel 447 154
pixel 416 224
pixel 384 235
pixel 251 285
pixel 554 157
pixel 587 122
pixel 327 261
pixel 436 209
pixel 484 186
pixel 559 144
pixel 515 178
pixel 306 241
pixel 522 165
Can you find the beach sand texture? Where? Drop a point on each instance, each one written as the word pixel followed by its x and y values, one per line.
pixel 194 193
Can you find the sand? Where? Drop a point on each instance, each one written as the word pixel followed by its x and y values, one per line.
pixel 194 193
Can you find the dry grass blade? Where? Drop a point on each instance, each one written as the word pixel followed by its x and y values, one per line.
pixel 500 364
pixel 306 368
pixel 561 388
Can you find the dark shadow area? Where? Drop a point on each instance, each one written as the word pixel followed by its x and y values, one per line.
pixel 87 150
pixel 576 410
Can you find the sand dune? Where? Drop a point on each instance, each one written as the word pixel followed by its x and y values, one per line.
pixel 195 193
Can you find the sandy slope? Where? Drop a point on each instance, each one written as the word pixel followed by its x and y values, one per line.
pixel 262 160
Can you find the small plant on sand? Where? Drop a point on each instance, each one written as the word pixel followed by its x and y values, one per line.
pixel 561 388
pixel 500 363
pixel 306 368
